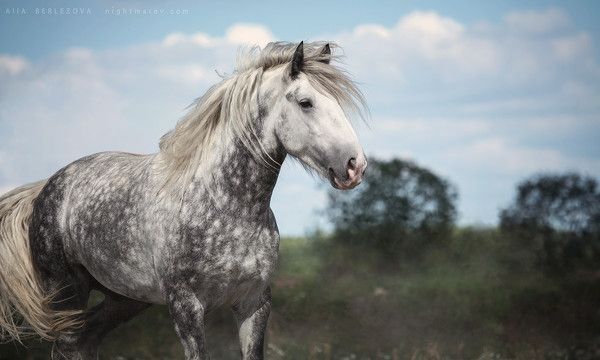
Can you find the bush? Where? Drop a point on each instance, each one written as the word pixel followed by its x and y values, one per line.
pixel 556 218
pixel 400 209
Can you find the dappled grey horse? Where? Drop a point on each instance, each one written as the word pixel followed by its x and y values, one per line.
pixel 189 226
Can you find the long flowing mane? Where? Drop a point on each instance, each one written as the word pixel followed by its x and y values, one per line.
pixel 231 105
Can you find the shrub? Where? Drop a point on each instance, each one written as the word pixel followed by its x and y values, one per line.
pixel 557 219
pixel 400 209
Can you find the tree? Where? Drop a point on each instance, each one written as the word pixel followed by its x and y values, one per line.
pixel 557 219
pixel 400 208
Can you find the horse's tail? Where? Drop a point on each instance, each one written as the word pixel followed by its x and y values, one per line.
pixel 24 306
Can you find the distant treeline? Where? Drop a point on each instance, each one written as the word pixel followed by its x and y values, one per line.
pixel 403 209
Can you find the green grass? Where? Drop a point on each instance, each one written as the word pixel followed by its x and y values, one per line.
pixel 472 297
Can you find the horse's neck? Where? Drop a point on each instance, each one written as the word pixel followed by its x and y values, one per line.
pixel 236 179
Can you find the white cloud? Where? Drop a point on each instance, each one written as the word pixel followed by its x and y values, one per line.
pixel 512 159
pixel 433 127
pixel 429 26
pixel 371 30
pixel 237 34
pixel 537 21
pixel 572 46
pixel 249 34
pixel 426 51
pixel 185 73
pixel 12 65
pixel 419 39
pixel 59 110
pixel 200 39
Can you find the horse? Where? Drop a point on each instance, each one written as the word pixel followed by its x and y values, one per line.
pixel 189 226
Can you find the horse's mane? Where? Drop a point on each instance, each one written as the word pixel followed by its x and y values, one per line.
pixel 231 105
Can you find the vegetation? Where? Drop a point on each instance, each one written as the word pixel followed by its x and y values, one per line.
pixel 401 210
pixel 462 293
pixel 556 219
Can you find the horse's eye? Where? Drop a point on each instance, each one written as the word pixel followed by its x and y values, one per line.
pixel 305 104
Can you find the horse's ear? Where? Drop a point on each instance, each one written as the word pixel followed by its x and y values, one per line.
pixel 297 61
pixel 326 51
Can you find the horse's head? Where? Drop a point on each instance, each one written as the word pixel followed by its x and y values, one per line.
pixel 308 120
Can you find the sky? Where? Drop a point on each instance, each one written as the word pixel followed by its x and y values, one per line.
pixel 483 93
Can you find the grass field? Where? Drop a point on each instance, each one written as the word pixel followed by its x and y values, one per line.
pixel 470 298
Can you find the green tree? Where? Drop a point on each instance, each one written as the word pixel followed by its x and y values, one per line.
pixel 556 218
pixel 400 209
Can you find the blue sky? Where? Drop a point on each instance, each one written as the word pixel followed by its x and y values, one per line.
pixel 36 36
pixel 484 93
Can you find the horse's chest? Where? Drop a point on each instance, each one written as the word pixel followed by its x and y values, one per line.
pixel 240 261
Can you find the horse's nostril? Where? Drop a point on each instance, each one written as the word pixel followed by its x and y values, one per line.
pixel 352 163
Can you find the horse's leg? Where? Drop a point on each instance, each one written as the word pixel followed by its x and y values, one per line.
pixel 99 321
pixel 187 312
pixel 114 310
pixel 82 344
pixel 252 317
pixel 71 287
